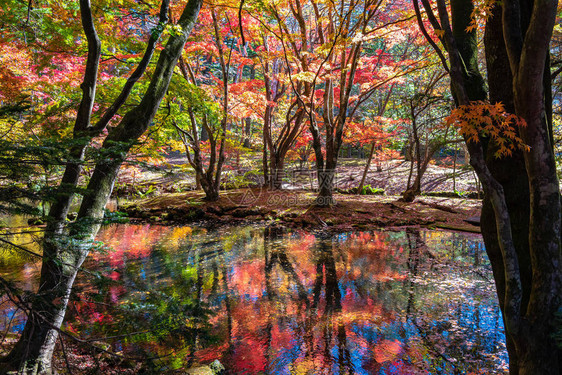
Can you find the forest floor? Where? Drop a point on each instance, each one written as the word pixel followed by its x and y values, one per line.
pixel 294 206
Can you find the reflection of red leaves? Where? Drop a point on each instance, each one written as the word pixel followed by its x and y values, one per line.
pixel 387 350
pixel 249 279
pixel 280 337
pixel 374 248
pixel 250 358
pixel 211 353
pixel 129 242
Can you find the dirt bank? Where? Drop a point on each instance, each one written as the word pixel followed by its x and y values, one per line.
pixel 295 208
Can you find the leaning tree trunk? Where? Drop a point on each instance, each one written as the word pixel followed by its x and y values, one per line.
pixel 461 11
pixel 367 166
pixel 466 85
pixel 415 188
pixel 33 352
pixel 62 259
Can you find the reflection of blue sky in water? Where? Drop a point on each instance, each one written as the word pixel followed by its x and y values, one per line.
pixel 453 319
pixel 365 303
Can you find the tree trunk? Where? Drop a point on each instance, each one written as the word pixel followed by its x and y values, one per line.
pixel 325 196
pixel 530 303
pixel 366 170
pixel 527 32
pixel 510 173
pixel 265 166
pixel 211 192
pixel 33 352
pixel 277 171
pixel 247 132
pixel 204 134
pixel 247 122
pixel 415 189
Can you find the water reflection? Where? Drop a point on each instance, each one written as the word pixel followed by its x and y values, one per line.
pixel 263 300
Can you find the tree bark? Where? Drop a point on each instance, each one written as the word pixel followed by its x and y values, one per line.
pixel 325 196
pixel 465 88
pixel 527 31
pixel 529 297
pixel 277 164
pixel 510 173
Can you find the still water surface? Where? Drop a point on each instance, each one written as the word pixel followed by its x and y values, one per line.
pixel 268 301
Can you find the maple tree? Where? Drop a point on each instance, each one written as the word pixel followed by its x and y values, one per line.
pixel 412 49
pixel 426 132
pixel 280 132
pixel 203 114
pixel 324 81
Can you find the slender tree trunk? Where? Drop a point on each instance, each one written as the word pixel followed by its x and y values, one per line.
pixel 415 188
pixel 265 166
pixel 247 132
pixel 366 170
pixel 247 122
pixel 204 135
pixel 455 169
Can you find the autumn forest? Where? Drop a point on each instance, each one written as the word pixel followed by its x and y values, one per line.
pixel 280 187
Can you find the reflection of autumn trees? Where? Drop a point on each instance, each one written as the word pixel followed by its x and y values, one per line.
pixel 150 306
pixel 310 317
pixel 273 300
pixel 275 254
pixel 315 303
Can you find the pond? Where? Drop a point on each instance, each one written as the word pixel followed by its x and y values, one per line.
pixel 274 301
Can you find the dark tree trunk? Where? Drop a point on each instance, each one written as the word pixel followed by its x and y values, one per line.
pixel 527 28
pixel 529 274
pixel 265 165
pixel 204 134
pixel 247 122
pixel 326 180
pixel 247 132
pixel 210 189
pixel 510 173
pixel 461 47
pixel 277 163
